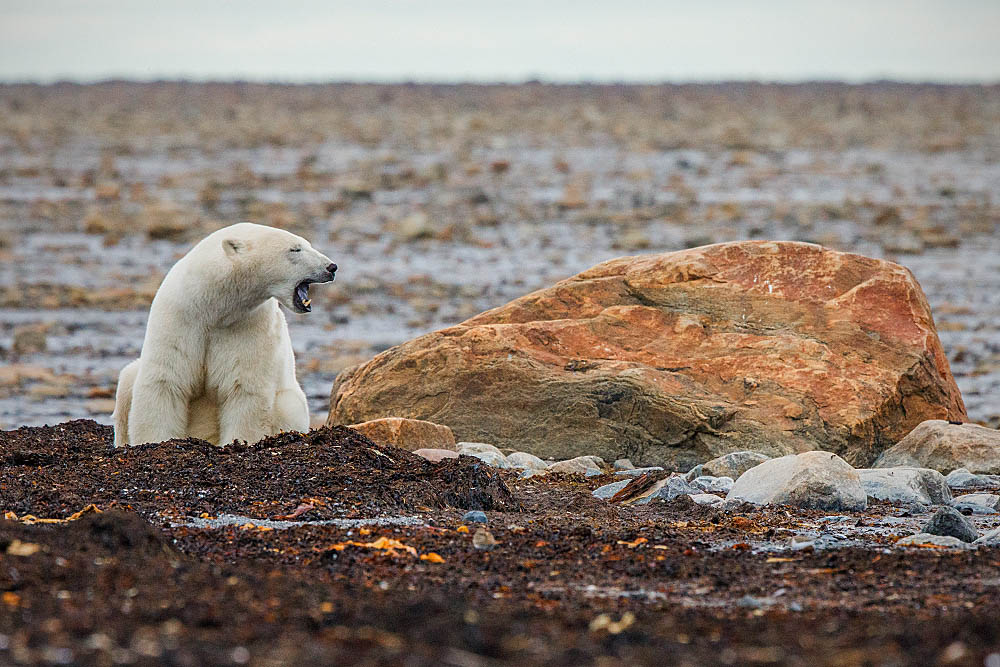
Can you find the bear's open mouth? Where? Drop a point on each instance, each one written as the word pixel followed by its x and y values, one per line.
pixel 300 298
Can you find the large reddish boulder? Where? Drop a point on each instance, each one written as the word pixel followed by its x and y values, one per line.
pixel 677 358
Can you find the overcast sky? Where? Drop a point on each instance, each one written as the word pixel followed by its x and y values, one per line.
pixel 501 40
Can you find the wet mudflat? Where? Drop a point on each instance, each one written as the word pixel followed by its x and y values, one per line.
pixel 150 578
pixel 439 202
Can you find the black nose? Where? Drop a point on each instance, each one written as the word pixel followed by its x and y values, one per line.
pixel 332 268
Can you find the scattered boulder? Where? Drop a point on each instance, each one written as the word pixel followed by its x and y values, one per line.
pixel 928 540
pixel 707 499
pixel 409 434
pixel 811 480
pixel 906 485
pixel 526 461
pixel 436 455
pixel 673 359
pixel 949 521
pixel 734 464
pixel 945 446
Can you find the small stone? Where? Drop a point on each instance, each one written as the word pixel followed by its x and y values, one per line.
pixel 490 458
pixel 733 464
pixel 961 478
pixel 672 487
pixel 706 498
pixel 623 464
pixel 694 473
pixel 436 455
pixel 714 484
pixel 525 461
pixel 922 539
pixel 579 465
pixel 987 501
pixel 484 540
pixel 950 522
pixel 990 539
pixel 474 516
pixel 635 472
pixel 470 448
pixel 608 490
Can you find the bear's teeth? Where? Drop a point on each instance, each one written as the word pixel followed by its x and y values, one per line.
pixel 307 303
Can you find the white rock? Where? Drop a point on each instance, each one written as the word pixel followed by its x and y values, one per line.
pixel 812 480
pixel 733 464
pixel 526 461
pixel 608 490
pixel 635 472
pixel 713 484
pixel 944 446
pixel 707 498
pixel 624 464
pixel 905 485
pixel 990 539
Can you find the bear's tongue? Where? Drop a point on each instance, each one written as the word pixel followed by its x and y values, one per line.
pixel 302 292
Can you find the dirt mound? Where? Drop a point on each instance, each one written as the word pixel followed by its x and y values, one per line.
pixel 55 471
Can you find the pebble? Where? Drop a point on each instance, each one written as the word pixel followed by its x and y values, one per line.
pixel 608 490
pixel 578 465
pixel 936 540
pixel 635 472
pixel 950 522
pixel 474 516
pixel 733 464
pixel 706 498
pixel 714 484
pixel 989 539
pixel 484 540
pixel 494 459
pixel 961 478
pixel 525 461
pixel 623 464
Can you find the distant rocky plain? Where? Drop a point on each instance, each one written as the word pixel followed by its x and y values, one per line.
pixel 441 202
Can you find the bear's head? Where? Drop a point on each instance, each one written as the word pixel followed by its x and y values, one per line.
pixel 276 263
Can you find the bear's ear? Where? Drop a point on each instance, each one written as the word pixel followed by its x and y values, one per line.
pixel 234 246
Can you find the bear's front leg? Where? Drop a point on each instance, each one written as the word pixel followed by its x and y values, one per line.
pixel 244 414
pixel 159 410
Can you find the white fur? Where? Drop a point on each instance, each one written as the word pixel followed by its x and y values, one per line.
pixel 217 362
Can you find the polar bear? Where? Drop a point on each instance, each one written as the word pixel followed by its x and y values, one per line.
pixel 216 361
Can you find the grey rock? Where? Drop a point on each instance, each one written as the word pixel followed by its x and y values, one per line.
pixel 988 500
pixel 624 464
pixel 714 484
pixel 694 473
pixel 635 472
pixel 474 516
pixel 670 488
pixel 608 490
pixel 812 480
pixel 592 472
pixel 470 448
pixel 906 485
pixel 494 459
pixel 937 540
pixel 950 522
pixel 579 465
pixel 970 509
pixel 961 478
pixel 526 461
pixel 733 464
pixel 989 539
pixel 707 499
pixel 941 445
